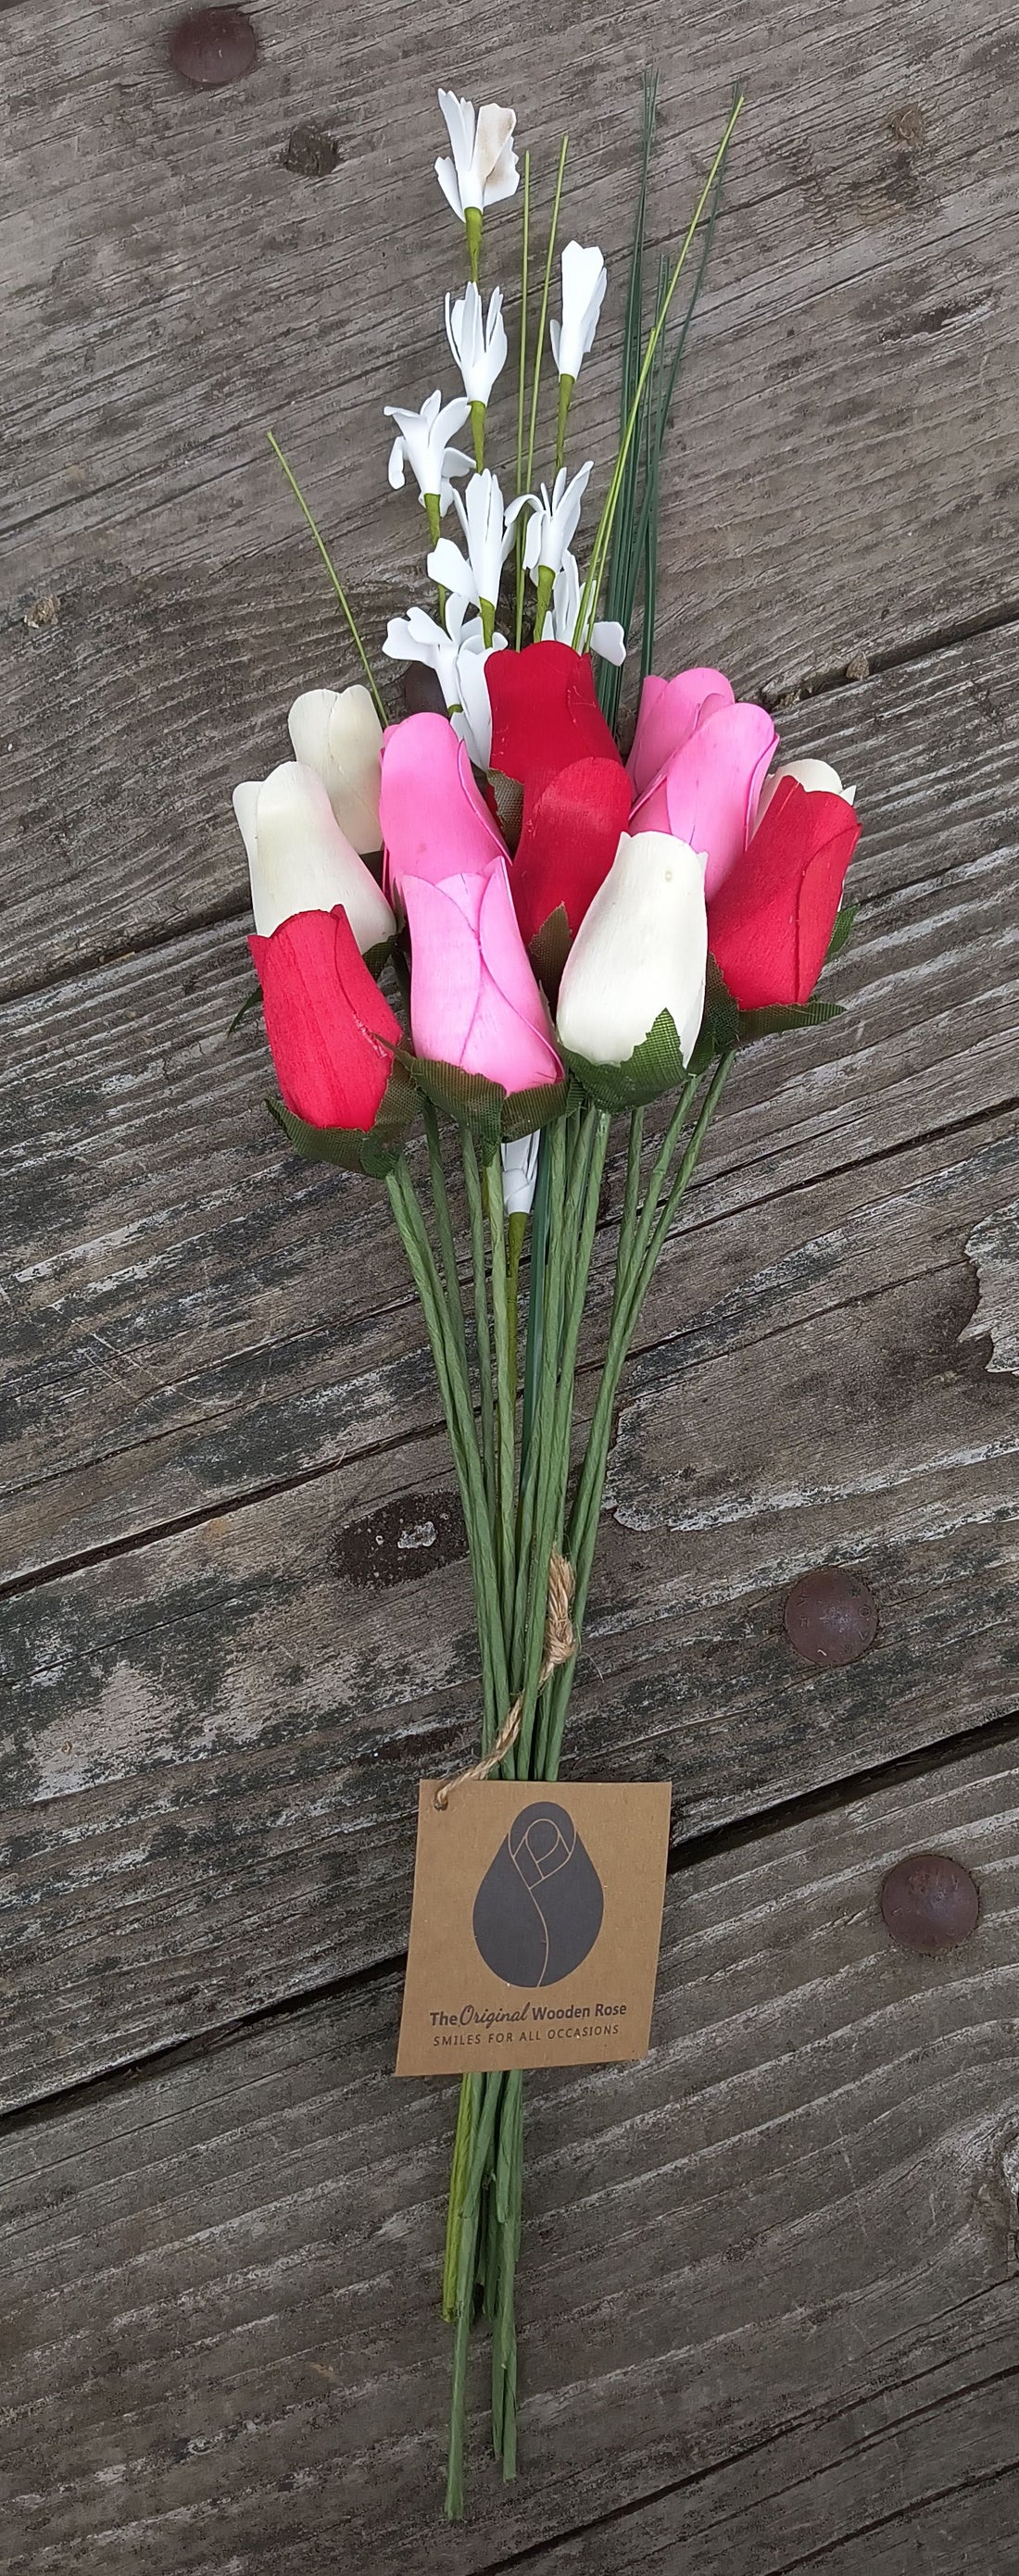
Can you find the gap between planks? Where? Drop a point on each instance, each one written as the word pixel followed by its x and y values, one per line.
pixel 155 1533
pixel 768 1824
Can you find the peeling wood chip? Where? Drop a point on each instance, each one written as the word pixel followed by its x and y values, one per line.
pixel 993 1248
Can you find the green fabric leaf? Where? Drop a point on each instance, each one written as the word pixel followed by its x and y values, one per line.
pixel 254 997
pixel 509 799
pixel 654 1067
pixel 377 959
pixel 785 1015
pixel 842 927
pixel 526 1111
pixel 725 1026
pixel 493 1115
pixel 374 1150
pixel 549 950
pixel 720 1025
pixel 342 1145
pixel 467 1097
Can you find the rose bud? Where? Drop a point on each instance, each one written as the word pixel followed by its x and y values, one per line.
pixel 548 731
pixel 770 921
pixel 336 732
pixel 696 766
pixel 640 950
pixel 331 1032
pixel 434 819
pixel 474 1001
pixel 300 861
pixel 811 774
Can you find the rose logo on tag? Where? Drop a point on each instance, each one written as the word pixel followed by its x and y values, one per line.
pixel 539 1908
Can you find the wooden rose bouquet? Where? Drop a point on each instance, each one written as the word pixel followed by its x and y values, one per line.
pixel 482 935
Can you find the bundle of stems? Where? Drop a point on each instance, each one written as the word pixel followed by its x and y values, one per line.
pixel 529 1490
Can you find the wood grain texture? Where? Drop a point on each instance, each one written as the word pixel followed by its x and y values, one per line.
pixel 768 2296
pixel 769 2290
pixel 215 1736
pixel 843 473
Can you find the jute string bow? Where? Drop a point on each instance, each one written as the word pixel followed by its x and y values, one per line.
pixel 560 1644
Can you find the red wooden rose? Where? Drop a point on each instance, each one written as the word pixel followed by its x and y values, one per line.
pixel 771 919
pixel 331 1031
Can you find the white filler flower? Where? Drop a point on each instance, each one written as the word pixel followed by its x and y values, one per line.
pixel 478 342
pixel 607 637
pixel 476 575
pixel 299 859
pixel 457 653
pixel 584 279
pixel 553 522
pixel 519 1174
pixel 641 948
pixel 483 169
pixel 422 442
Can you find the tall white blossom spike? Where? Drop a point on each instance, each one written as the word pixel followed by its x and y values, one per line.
pixel 478 342
pixel 476 575
pixel 472 720
pixel 420 638
pixel 483 168
pixel 423 442
pixel 607 637
pixel 584 279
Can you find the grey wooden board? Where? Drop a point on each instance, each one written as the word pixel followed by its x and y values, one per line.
pixel 209 1773
pixel 768 2296
pixel 843 472
pixel 772 2318
pixel 192 1313
pixel 210 1777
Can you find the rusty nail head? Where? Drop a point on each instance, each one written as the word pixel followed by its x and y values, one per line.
pixel 930 1902
pixel 830 1617
pixel 210 47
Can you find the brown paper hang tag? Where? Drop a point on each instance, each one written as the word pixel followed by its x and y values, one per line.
pixel 535 1926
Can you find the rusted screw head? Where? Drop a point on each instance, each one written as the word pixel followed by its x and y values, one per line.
pixel 930 1902
pixel 212 46
pixel 830 1617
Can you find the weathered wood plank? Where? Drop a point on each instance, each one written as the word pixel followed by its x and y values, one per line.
pixel 767 2285
pixel 174 285
pixel 934 2486
pixel 191 1314
pixel 213 1738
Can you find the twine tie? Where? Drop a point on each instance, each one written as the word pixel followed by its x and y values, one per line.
pixel 560 1644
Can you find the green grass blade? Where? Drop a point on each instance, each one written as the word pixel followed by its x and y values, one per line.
pixel 332 572
pixel 525 256
pixel 603 539
pixel 619 586
pixel 543 314
pixel 646 532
